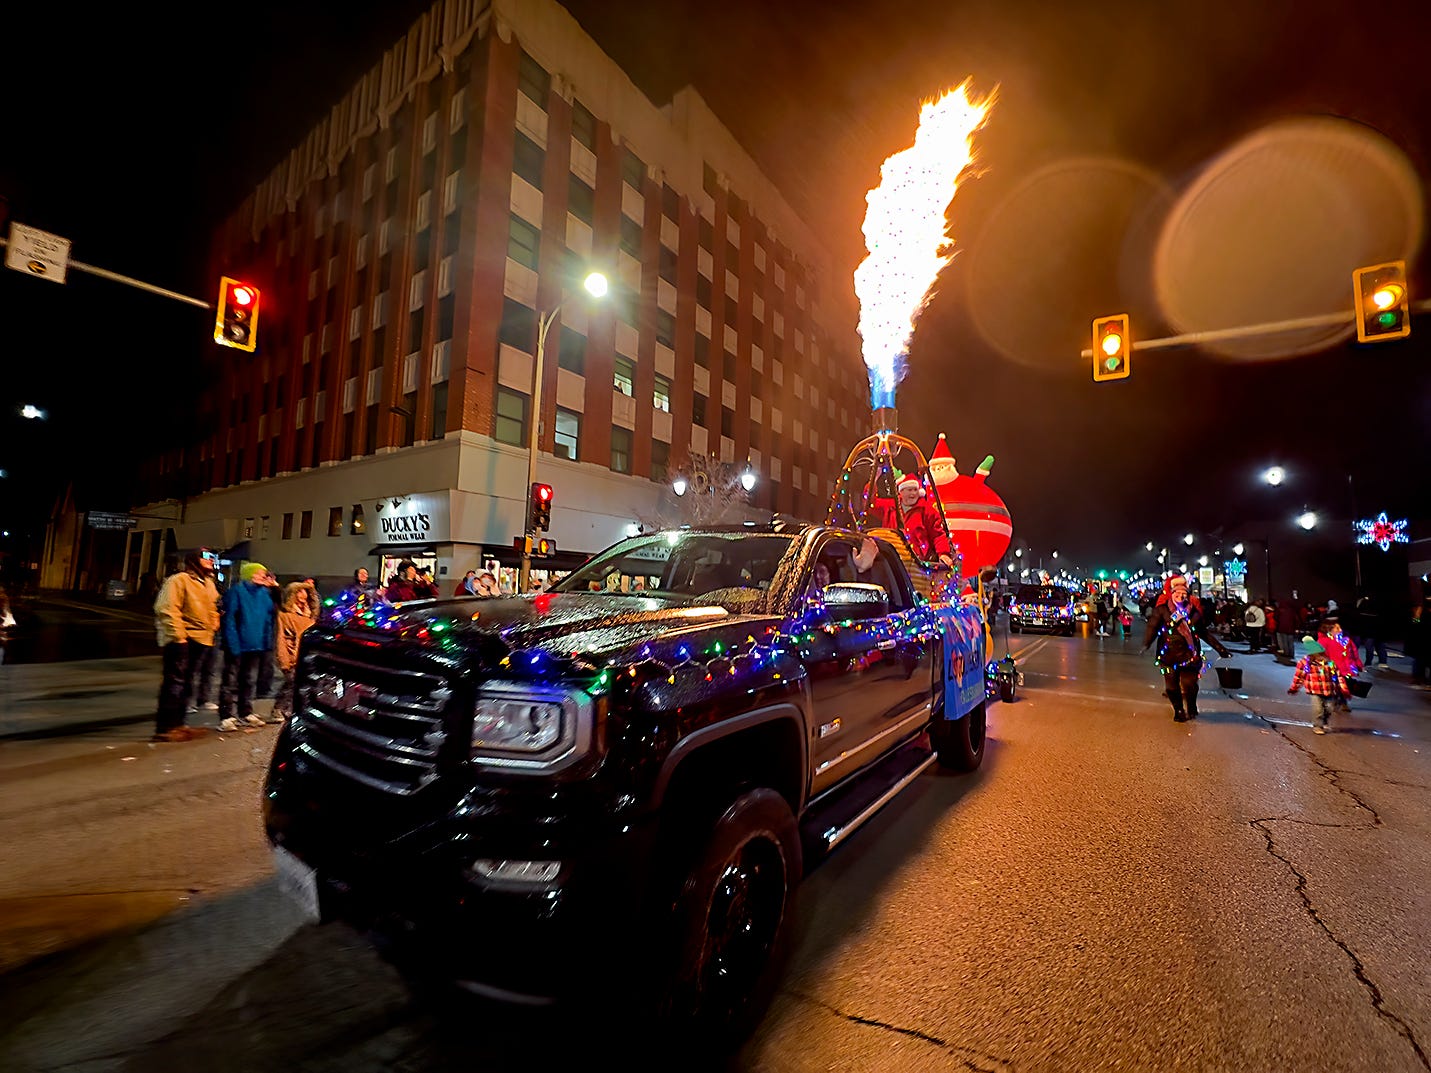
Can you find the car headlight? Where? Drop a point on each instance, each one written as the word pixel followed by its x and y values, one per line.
pixel 1064 612
pixel 530 727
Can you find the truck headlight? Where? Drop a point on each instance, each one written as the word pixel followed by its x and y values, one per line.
pixel 530 727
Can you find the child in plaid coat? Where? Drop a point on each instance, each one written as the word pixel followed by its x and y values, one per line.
pixel 1325 684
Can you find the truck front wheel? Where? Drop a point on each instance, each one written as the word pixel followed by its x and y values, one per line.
pixel 732 919
pixel 960 744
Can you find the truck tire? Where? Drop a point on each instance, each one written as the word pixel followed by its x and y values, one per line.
pixel 960 744
pixel 732 921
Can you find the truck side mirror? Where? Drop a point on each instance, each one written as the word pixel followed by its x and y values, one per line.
pixel 856 600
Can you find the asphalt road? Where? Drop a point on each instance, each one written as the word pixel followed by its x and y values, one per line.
pixel 1111 891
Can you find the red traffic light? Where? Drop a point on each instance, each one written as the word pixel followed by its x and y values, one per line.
pixel 243 296
pixel 543 492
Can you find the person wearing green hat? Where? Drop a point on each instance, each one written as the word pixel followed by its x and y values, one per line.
pixel 248 639
pixel 1324 683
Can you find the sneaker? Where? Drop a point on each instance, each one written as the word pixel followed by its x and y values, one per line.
pixel 254 720
pixel 228 726
pixel 209 706
pixel 1383 666
pixel 191 710
pixel 275 718
pixel 1319 730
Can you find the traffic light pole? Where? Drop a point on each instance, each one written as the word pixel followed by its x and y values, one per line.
pixel 130 281
pixel 544 325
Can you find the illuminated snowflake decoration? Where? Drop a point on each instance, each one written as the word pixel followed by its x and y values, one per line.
pixel 1382 532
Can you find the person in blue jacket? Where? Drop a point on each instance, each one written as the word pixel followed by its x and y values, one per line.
pixel 247 634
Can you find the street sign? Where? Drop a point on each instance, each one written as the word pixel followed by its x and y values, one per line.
pixel 1204 576
pixel 37 253
pixel 102 519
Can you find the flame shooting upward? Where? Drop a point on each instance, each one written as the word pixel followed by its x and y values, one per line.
pixel 906 233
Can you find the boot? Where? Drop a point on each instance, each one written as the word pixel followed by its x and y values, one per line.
pixel 1176 699
pixel 1190 700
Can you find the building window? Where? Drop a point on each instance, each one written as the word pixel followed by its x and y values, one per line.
pixel 571 354
pixel 624 376
pixel 523 242
pixel 305 525
pixel 662 399
pixel 533 80
pixel 727 366
pixel 709 182
pixel 519 325
pixel 665 328
pixel 666 264
pixel 527 160
pixel 620 449
pixel 581 200
pixel 698 409
pixel 583 125
pixel 568 434
pixel 703 351
pixel 633 169
pixel 703 292
pixel 511 417
pixel 288 527
pixel 757 384
pixel 660 460
pixel 439 411
pixel 359 525
pixel 630 236
pixel 335 521
pixel 670 203
pixel 727 422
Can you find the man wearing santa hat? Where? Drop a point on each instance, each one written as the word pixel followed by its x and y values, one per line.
pixel 923 525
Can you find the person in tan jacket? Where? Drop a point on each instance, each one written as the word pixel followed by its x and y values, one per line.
pixel 294 617
pixel 186 617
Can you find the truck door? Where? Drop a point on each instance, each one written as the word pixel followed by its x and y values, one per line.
pixel 867 646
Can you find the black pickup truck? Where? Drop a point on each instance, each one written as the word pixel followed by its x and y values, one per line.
pixel 540 793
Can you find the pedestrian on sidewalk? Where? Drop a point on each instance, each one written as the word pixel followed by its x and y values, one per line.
pixel 1323 681
pixel 1255 620
pixel 186 616
pixel 1286 629
pixel 1177 625
pixel 1369 630
pixel 292 621
pixel 248 637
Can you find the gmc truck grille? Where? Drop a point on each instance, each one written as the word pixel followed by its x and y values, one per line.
pixel 379 726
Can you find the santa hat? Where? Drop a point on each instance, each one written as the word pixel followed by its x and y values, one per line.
pixel 908 481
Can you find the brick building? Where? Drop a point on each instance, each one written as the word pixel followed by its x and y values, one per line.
pixel 406 249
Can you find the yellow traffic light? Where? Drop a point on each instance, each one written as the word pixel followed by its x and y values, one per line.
pixel 1112 344
pixel 236 322
pixel 1383 307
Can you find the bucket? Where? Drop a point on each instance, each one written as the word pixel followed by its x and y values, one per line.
pixel 1359 687
pixel 1229 677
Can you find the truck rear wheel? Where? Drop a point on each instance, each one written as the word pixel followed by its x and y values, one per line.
pixel 960 744
pixel 732 919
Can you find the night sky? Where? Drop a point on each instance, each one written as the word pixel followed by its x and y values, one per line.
pixel 133 146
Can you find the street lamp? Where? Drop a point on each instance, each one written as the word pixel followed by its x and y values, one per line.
pixel 747 478
pixel 596 286
pixel 1307 519
pixel 1274 475
pixel 1188 539
pixel 1055 553
pixel 1238 549
pixel 32 412
pixel 679 486
pixel 1149 545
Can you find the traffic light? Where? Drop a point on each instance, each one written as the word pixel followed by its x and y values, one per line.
pixel 1111 346
pixel 236 324
pixel 543 548
pixel 539 508
pixel 1383 308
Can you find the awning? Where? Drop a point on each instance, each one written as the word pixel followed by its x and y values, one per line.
pixel 404 549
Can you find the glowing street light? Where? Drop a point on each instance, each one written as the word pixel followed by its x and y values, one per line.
pixel 1149 545
pixel 679 486
pixel 31 412
pixel 1188 539
pixel 1274 475
pixel 1202 560
pixel 747 478
pixel 1307 519
pixel 1238 549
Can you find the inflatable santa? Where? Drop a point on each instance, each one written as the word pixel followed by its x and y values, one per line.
pixel 979 523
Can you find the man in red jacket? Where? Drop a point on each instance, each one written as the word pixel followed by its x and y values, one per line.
pixel 923 526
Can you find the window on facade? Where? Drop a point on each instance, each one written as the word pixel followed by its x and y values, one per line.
pixel 633 169
pixel 630 236
pixel 568 433
pixel 624 376
pixel 335 521
pixel 446 317
pixel 698 409
pixel 703 351
pixel 527 160
pixel 439 411
pixel 519 325
pixel 670 203
pixel 305 525
pixel 703 291
pixel 511 424
pixel 370 433
pixel 666 262
pixel 706 231
pixel 727 422
pixel 572 353
pixel 359 525
pixel 757 384
pixel 727 366
pixel 533 80
pixel 583 125
pixel 662 396
pixel 580 200
pixel 665 328
pixel 730 311
pixel 620 449
pixel 660 460
pixel 523 242
pixel 709 182
pixel 288 527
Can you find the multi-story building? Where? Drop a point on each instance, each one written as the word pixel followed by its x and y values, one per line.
pixel 406 252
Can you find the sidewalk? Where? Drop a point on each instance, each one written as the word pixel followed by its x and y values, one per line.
pixel 54 700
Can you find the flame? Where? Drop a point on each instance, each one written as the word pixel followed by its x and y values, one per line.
pixel 906 232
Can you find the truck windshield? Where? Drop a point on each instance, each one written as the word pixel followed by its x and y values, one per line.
pixel 733 570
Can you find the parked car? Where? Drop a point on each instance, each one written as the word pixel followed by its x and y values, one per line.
pixel 1042 607
pixel 539 796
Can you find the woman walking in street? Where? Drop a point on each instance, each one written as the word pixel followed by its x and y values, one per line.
pixel 1176 624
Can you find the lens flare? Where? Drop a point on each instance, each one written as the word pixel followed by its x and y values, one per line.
pixel 906 232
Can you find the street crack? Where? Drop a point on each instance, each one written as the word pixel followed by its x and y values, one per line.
pixel 969 1057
